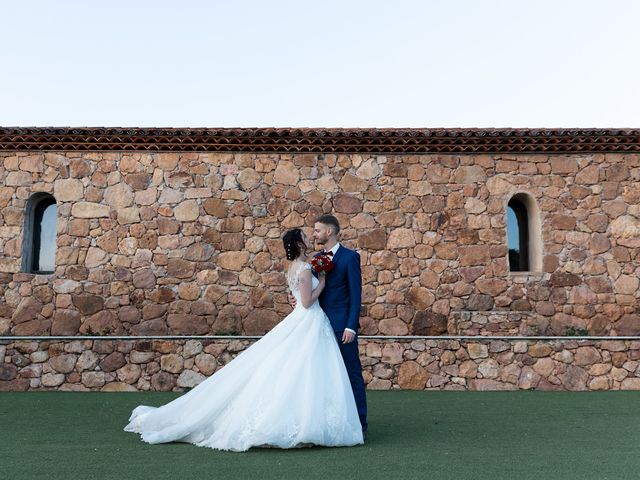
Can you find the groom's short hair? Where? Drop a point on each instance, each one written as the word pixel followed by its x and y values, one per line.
pixel 331 221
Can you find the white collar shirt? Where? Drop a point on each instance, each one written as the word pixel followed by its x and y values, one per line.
pixel 335 248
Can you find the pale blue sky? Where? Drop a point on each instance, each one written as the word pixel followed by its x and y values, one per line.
pixel 473 63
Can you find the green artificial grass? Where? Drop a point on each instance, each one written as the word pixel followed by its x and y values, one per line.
pixel 435 435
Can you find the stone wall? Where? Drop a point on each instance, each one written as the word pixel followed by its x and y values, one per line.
pixel 128 365
pixel 189 243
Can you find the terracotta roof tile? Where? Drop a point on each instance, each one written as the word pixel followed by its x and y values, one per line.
pixel 322 140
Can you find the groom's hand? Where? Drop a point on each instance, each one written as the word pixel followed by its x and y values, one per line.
pixel 292 300
pixel 347 336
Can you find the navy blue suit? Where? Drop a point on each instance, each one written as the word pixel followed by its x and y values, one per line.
pixel 341 300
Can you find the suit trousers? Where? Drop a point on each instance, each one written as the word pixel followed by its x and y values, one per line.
pixel 351 357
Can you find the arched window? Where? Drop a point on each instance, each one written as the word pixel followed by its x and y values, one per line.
pixel 518 236
pixel 39 244
pixel 524 237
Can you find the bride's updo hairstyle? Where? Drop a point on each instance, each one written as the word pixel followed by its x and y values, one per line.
pixel 293 243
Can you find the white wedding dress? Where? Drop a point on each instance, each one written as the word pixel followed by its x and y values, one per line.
pixel 289 389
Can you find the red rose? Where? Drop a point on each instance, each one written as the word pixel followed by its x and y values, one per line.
pixel 322 263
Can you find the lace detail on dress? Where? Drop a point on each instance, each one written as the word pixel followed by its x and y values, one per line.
pixel 293 276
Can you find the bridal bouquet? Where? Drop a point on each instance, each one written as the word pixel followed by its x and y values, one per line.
pixel 322 263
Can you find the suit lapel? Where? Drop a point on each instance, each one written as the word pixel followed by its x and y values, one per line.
pixel 335 259
pixel 337 256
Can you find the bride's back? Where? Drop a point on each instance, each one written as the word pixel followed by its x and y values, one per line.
pixel 296 269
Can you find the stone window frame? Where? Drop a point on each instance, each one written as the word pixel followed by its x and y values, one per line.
pixel 534 231
pixel 30 242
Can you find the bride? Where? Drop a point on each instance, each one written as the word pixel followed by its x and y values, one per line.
pixel 289 389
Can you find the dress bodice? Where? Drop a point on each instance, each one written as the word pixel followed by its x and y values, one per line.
pixel 293 278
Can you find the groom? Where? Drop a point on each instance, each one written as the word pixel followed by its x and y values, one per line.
pixel 341 300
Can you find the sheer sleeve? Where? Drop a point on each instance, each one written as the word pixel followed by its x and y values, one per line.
pixel 293 276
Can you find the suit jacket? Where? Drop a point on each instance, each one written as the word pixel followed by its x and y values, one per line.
pixel 342 295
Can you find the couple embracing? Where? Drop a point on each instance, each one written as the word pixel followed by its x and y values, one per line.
pixel 299 385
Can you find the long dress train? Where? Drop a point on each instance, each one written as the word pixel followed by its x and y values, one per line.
pixel 288 389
